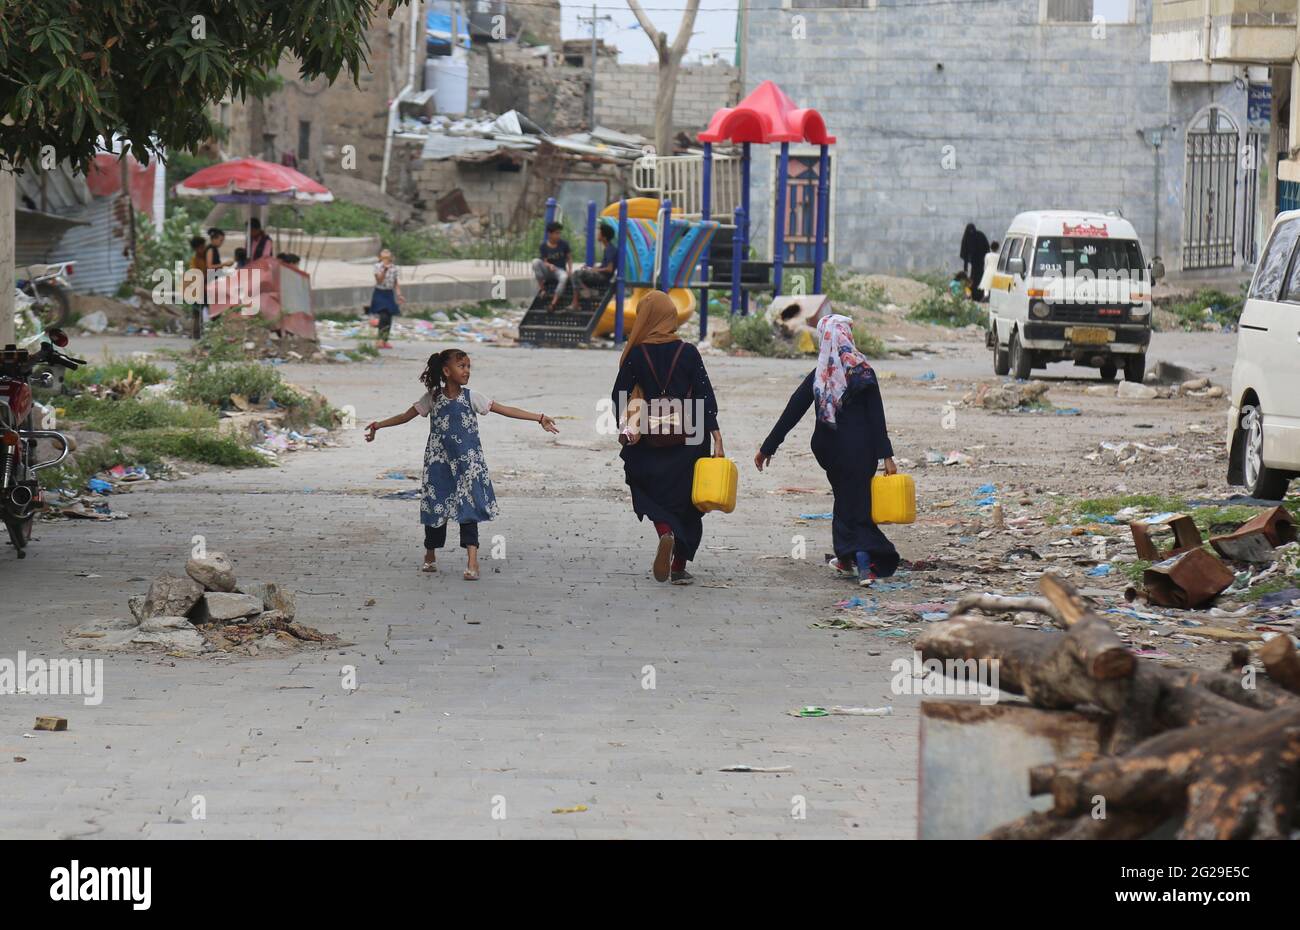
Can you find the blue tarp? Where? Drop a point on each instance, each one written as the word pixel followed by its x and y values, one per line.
pixel 439 27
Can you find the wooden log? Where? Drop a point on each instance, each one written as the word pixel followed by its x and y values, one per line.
pixel 998 603
pixel 1282 662
pixel 1044 667
pixel 1235 780
pixel 1102 653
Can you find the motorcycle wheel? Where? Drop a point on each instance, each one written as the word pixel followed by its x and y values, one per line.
pixel 52 305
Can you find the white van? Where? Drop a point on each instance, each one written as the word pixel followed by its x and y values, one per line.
pixel 1264 417
pixel 1071 286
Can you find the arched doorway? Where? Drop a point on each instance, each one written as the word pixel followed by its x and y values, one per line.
pixel 1210 192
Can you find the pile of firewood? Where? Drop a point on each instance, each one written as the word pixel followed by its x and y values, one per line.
pixel 1219 750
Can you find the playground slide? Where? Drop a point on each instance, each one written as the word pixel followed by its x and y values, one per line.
pixel 687 242
pixel 683 298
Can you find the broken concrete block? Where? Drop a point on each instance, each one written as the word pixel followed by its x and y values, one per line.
pixel 171 596
pixel 171 640
pixel 1195 384
pixel 222 607
pixel 214 571
pixel 136 603
pixel 275 598
pixel 1100 390
pixel 164 624
pixel 53 724
pixel 1135 391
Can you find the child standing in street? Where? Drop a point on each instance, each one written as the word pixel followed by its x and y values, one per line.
pixel 456 481
pixel 386 298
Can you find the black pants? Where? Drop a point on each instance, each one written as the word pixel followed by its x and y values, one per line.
pixel 385 325
pixel 435 537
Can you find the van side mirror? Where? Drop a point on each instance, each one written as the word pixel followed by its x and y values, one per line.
pixel 1016 266
pixel 1157 269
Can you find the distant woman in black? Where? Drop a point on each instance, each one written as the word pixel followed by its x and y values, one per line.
pixel 848 441
pixel 974 249
pixel 656 365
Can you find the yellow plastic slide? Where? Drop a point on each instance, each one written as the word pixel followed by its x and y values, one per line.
pixel 683 298
pixel 641 208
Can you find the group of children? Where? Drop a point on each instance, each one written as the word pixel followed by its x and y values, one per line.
pixel 849 440
pixel 554 265
pixel 205 256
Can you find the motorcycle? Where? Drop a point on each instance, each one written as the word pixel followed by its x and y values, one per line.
pixel 45 288
pixel 20 491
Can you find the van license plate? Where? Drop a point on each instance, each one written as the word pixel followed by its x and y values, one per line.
pixel 1090 335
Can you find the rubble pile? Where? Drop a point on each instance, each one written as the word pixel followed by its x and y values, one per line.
pixel 1212 751
pixel 205 611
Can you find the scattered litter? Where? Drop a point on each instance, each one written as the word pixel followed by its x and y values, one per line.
pixel 52 724
pixel 758 769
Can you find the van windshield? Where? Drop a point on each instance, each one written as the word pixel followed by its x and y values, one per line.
pixel 1065 256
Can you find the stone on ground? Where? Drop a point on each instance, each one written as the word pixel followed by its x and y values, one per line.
pixel 222 607
pixel 214 571
pixel 171 596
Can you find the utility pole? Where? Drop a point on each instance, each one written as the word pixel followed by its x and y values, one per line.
pixel 591 90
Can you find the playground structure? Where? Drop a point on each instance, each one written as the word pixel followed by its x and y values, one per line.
pixel 646 259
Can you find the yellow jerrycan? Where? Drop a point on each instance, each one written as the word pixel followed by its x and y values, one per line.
pixel 893 499
pixel 714 485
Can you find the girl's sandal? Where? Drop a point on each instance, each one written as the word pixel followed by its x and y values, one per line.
pixel 470 575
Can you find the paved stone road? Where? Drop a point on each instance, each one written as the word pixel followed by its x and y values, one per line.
pixel 525 688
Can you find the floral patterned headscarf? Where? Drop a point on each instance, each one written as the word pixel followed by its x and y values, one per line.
pixel 840 366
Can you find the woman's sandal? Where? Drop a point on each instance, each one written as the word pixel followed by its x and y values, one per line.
pixel 429 567
pixel 663 557
pixel 470 575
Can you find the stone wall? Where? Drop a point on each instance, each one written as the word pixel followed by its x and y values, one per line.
pixel 330 117
pixel 541 87
pixel 625 95
pixel 963 112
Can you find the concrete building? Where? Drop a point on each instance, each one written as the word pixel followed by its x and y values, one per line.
pixel 955 112
pixel 315 122
pixel 1221 39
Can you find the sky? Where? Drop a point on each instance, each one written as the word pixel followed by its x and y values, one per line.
pixel 715 26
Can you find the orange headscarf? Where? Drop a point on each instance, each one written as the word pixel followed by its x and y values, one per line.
pixel 655 323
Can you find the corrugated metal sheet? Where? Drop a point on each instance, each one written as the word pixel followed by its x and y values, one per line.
pixel 99 249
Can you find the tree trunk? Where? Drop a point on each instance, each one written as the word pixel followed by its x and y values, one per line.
pixel 667 93
pixel 7 245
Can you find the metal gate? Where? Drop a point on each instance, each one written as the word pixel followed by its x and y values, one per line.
pixel 1256 145
pixel 1210 202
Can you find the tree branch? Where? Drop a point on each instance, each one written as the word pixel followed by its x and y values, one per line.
pixel 685 29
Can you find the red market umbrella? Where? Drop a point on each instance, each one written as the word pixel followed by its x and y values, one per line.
pixel 253 181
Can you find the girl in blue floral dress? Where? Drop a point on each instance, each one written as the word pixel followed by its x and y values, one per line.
pixel 456 481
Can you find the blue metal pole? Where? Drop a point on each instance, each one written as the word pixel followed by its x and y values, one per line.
pixel 742 224
pixel 591 233
pixel 744 190
pixel 665 225
pixel 550 210
pixel 706 212
pixel 823 221
pixel 620 264
pixel 778 222
pixel 737 244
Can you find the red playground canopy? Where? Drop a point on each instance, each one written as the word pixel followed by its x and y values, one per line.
pixel 766 116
